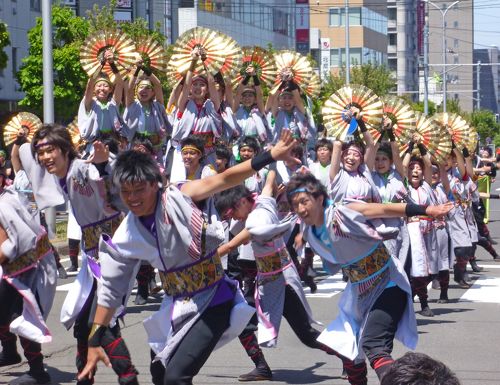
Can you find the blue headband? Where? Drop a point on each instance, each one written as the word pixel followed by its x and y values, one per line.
pixel 298 190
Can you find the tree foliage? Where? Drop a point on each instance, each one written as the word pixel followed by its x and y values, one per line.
pixel 4 42
pixel 485 123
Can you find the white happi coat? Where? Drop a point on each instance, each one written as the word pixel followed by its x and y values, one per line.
pixel 182 235
pixel 267 238
pixel 251 123
pixel 100 118
pixel 352 238
pixel 36 282
pixel 296 122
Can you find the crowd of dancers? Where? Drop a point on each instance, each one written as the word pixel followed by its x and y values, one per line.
pixel 228 197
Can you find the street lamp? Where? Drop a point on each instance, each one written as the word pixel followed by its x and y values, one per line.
pixel 443 27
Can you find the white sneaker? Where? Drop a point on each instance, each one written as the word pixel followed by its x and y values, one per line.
pixel 435 284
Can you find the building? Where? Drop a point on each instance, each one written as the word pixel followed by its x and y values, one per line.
pixel 488 89
pixel 367 33
pixel 459 43
pixel 404 23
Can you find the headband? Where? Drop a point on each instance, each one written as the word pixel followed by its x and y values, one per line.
pixel 103 79
pixel 201 78
pixel 249 89
pixel 286 92
pixel 298 190
pixel 145 82
pixel 43 144
pixel 190 147
pixel 354 149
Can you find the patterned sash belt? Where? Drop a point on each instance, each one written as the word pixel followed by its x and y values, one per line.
pixel 368 266
pixel 207 137
pixel 190 279
pixel 419 218
pixel 29 259
pixel 272 264
pixel 92 232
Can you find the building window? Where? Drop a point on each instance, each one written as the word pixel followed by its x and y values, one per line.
pixel 455 24
pixel 35 5
pixel 391 14
pixel 14 61
pixel 335 17
pixel 393 38
pixel 455 43
pixel 335 57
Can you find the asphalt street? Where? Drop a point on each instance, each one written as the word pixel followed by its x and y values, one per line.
pixel 464 334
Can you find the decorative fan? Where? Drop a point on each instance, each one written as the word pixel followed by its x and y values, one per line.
pixel 152 53
pixel 401 115
pixel 233 58
pixel 426 130
pixel 74 132
pixel 473 139
pixel 336 116
pixel 443 148
pixel 21 121
pixel 263 63
pixel 216 46
pixel 92 52
pixel 299 67
pixel 457 126
pixel 314 86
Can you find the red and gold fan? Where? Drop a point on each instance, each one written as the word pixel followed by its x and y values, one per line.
pixel 215 46
pixel 152 53
pixel 443 148
pixel 94 47
pixel 291 65
pixel 74 132
pixel 263 63
pixel 25 121
pixel 401 115
pixel 337 117
pixel 233 59
pixel 314 86
pixel 473 139
pixel 426 131
pixel 457 126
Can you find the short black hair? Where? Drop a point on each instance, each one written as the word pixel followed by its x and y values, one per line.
pixel 223 152
pixel 419 369
pixel 250 141
pixel 323 142
pixel 308 182
pixel 56 135
pixel 195 141
pixel 145 142
pixel 354 143
pixel 227 199
pixel 385 148
pixel 134 166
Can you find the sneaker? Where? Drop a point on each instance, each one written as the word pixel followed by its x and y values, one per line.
pixel 443 298
pixel 62 273
pixel 72 269
pixel 258 374
pixel 427 312
pixel 32 379
pixel 435 284
pixel 344 375
pixel 140 299
pixel 11 359
pixel 463 284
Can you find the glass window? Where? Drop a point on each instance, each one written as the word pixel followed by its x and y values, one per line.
pixel 335 57
pixel 335 17
pixel 393 38
pixel 354 15
pixel 455 24
pixel 391 14
pixel 35 5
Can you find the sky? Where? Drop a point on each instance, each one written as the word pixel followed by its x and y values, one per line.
pixel 486 23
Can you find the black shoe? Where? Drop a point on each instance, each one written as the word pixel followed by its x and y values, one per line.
pixel 9 359
pixel 427 312
pixel 258 374
pixel 72 269
pixel 30 378
pixel 475 267
pixel 463 284
pixel 344 375
pixel 62 273
pixel 443 298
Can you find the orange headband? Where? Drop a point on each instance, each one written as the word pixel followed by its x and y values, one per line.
pixel 189 147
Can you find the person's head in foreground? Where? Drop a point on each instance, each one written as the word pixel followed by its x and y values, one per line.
pixel 419 369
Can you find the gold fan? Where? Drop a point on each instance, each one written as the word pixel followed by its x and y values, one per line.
pixel 215 45
pixel 337 118
pixel 457 126
pixel 291 63
pixel 426 131
pixel 22 121
pixel 152 53
pixel 92 52
pixel 233 58
pixel 74 132
pixel 401 115
pixel 262 61
pixel 443 148
pixel 314 86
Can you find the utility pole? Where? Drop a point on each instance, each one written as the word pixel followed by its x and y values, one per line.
pixel 347 53
pixel 478 86
pixel 48 87
pixel 426 62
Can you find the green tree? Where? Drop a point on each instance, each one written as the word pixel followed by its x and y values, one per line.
pixel 486 125
pixel 69 32
pixel 4 42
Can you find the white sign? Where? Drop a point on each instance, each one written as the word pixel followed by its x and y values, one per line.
pixel 325 57
pixel 325 43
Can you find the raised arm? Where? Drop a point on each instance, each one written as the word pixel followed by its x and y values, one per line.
pixel 204 188
pixel 460 161
pixel 89 94
pixel 469 168
pixel 268 189
pixel 444 178
pixel 427 168
pixel 242 238
pixel 186 88
pixel 158 90
pixel 397 210
pixel 214 94
pixel 336 158
pixel 174 95
pixel 130 94
pixel 299 103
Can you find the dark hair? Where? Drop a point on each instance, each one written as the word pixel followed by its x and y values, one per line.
pixel 56 135
pixel 223 152
pixel 145 142
pixel 297 151
pixel 416 159
pixel 385 148
pixel 354 143
pixel 419 369
pixel 250 141
pixel 112 144
pixel 309 182
pixel 134 166
pixel 195 141
pixel 227 199
pixel 323 142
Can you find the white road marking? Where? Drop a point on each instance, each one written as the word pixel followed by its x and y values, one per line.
pixel 327 287
pixel 484 290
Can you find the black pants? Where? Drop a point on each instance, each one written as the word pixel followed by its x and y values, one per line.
pixel 382 324
pixel 197 345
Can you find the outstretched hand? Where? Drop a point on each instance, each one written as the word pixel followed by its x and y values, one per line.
pixel 283 149
pixel 94 355
pixel 100 154
pixel 439 210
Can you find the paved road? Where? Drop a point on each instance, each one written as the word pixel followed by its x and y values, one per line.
pixel 464 334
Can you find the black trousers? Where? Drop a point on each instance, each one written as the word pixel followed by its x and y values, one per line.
pixel 197 345
pixel 382 323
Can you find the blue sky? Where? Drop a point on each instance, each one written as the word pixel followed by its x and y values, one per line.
pixel 486 23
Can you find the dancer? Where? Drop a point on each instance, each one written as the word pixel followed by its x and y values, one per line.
pixel 376 305
pixel 173 235
pixel 84 185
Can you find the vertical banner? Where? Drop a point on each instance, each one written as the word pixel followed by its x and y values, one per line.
pixel 325 57
pixel 420 26
pixel 302 26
